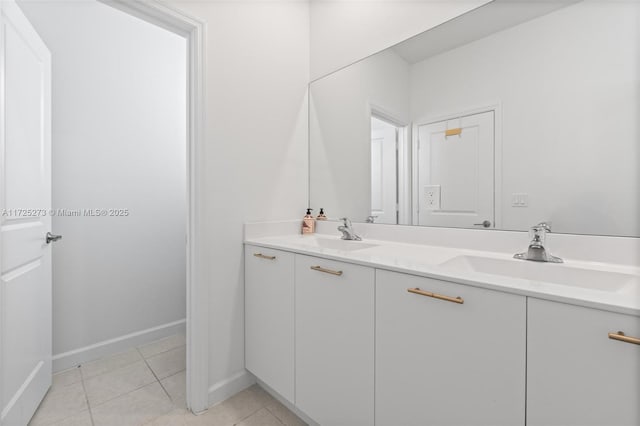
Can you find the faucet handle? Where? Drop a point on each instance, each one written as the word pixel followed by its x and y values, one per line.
pixel 542 226
pixel 346 221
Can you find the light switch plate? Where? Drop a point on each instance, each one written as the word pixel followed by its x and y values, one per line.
pixel 519 199
pixel 432 197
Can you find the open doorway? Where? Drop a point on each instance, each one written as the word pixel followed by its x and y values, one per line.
pixel 119 191
pixel 116 112
pixel 389 171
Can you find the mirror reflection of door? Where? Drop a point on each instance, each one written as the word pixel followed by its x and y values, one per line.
pixel 456 172
pixel 384 172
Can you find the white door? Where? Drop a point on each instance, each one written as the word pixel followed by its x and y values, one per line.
pixel 456 172
pixel 25 198
pixel 384 186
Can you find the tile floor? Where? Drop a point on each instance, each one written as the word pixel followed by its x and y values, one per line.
pixel 146 386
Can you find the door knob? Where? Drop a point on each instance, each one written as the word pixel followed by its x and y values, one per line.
pixel 51 237
pixel 485 223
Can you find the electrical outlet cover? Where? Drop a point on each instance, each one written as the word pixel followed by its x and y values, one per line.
pixel 432 197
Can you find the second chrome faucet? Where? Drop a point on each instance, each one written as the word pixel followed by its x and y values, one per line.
pixel 347 230
pixel 536 251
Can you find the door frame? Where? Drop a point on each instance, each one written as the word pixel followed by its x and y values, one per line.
pixel 496 108
pixel 197 340
pixel 403 170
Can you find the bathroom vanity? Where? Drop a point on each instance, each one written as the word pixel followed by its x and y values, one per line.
pixel 402 331
pixel 470 133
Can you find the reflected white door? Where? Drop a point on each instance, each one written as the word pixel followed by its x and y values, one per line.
pixel 384 175
pixel 456 172
pixel 25 197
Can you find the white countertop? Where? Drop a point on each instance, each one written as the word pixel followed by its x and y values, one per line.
pixel 431 261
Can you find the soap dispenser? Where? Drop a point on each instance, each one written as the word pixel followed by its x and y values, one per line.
pixel 308 223
pixel 321 215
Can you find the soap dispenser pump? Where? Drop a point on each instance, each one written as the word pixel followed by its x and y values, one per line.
pixel 308 223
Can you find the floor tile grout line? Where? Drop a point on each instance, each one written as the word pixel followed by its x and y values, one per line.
pixel 173 404
pixel 247 416
pixel 126 393
pixel 120 395
pixel 112 369
pixel 274 415
pixel 252 413
pixel 86 397
pixel 143 358
pixel 160 353
pixel 156 376
pixel 134 390
pixel 174 374
pixel 83 378
pixel 156 379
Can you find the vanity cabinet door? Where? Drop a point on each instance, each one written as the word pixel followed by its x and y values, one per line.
pixel 334 341
pixel 576 374
pixel 439 362
pixel 269 320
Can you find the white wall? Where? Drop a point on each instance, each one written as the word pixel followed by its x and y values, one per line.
pixel 343 32
pixel 340 130
pixel 118 142
pixel 256 153
pixel 569 113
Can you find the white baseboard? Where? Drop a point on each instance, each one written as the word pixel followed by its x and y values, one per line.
pixel 308 420
pixel 112 346
pixel 229 387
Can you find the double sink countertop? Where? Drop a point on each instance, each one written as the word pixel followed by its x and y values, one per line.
pixel 607 286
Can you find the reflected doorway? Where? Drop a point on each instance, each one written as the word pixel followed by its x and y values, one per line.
pixel 389 171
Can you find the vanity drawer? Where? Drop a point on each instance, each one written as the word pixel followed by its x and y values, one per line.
pixel 269 317
pixel 577 374
pixel 448 354
pixel 334 341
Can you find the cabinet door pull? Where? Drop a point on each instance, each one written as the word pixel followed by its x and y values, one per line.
pixel 264 256
pixel 435 295
pixel 325 270
pixel 621 337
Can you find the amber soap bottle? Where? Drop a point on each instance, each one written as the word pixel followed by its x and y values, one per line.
pixel 308 223
pixel 321 215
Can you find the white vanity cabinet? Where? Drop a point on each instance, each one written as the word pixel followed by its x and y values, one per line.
pixel 576 374
pixel 441 362
pixel 269 317
pixel 334 341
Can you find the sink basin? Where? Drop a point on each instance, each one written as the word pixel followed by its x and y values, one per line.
pixel 337 244
pixel 543 272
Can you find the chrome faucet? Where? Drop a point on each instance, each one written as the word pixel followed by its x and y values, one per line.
pixel 347 230
pixel 536 251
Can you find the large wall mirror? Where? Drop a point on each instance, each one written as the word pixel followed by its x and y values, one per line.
pixel 514 113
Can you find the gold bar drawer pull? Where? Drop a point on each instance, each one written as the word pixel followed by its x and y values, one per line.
pixel 325 270
pixel 621 337
pixel 264 256
pixel 435 295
